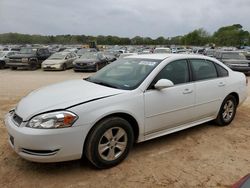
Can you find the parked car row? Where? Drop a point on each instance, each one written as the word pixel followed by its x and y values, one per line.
pixel 90 59
pixel 33 58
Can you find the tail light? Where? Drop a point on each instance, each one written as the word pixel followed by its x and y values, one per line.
pixel 246 81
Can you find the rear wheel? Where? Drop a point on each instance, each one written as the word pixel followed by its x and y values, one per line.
pixel 13 68
pixel 227 111
pixel 109 142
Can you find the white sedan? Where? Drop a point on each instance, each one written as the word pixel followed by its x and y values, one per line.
pixel 134 99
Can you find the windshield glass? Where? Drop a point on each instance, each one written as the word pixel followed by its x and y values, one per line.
pixel 57 56
pixel 89 56
pixel 233 56
pixel 27 51
pixel 127 73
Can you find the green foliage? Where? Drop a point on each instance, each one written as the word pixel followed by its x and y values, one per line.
pixel 233 35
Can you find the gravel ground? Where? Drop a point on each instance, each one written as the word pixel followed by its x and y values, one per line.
pixel 203 156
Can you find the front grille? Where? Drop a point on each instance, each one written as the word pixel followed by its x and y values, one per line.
pixel 17 119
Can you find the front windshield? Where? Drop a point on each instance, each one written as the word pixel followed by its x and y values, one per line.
pixel 56 56
pixel 27 51
pixel 127 73
pixel 233 56
pixel 89 56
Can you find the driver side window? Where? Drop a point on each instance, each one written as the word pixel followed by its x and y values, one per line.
pixel 176 71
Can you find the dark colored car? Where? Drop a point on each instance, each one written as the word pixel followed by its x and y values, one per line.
pixel 90 61
pixel 110 56
pixel 30 58
pixel 236 60
pixel 82 51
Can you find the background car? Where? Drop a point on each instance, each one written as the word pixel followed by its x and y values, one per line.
pixel 91 61
pixel 59 61
pixel 30 58
pixel 162 50
pixel 4 58
pixel 82 51
pixel 236 60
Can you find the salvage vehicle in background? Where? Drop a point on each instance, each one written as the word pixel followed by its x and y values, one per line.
pixel 30 58
pixel 236 60
pixel 162 50
pixel 134 99
pixel 91 61
pixel 4 58
pixel 59 61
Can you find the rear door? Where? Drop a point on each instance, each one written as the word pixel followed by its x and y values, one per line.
pixel 209 88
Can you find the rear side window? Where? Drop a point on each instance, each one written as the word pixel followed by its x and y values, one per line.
pixel 202 69
pixel 222 72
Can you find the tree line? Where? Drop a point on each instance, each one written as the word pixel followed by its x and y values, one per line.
pixel 233 35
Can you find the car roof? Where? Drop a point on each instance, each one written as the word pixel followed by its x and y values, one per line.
pixel 166 55
pixel 235 51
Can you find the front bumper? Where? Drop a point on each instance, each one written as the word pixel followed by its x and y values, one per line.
pixel 85 67
pixel 14 64
pixel 52 67
pixel 45 145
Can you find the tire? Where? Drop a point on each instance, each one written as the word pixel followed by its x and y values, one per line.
pixel 13 68
pixel 103 148
pixel 64 67
pixel 2 64
pixel 33 66
pixel 97 67
pixel 227 111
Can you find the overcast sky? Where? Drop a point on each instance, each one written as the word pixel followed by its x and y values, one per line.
pixel 126 18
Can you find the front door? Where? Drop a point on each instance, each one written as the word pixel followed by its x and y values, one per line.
pixel 173 106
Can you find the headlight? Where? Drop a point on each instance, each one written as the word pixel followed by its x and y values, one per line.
pixel 53 120
pixel 25 59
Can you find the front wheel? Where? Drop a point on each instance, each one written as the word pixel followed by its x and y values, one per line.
pixel 227 111
pixel 2 64
pixel 109 142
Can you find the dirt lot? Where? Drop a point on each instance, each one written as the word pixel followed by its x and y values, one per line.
pixel 203 156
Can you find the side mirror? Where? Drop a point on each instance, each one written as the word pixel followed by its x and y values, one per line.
pixel 163 83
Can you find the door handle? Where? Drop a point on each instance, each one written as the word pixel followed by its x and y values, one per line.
pixel 187 91
pixel 221 84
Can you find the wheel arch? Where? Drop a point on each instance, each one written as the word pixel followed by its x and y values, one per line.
pixel 236 96
pixel 133 122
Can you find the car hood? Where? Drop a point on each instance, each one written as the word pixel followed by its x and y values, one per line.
pixel 19 56
pixel 86 60
pixel 235 61
pixel 61 96
pixel 54 61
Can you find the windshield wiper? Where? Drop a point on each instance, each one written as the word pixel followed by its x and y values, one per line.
pixel 104 84
pixel 100 83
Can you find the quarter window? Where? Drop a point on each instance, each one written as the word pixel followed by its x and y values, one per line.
pixel 222 72
pixel 202 69
pixel 176 71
